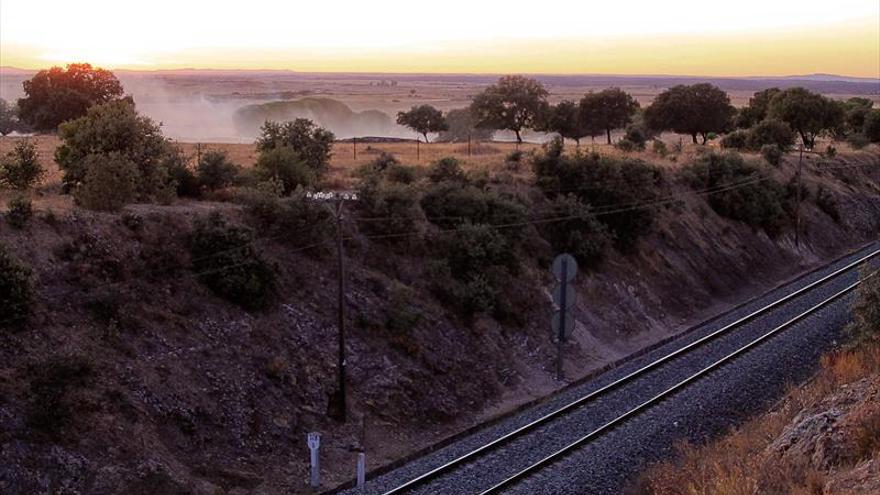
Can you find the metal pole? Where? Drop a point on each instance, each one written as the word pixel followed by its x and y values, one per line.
pixel 797 225
pixel 341 275
pixel 563 303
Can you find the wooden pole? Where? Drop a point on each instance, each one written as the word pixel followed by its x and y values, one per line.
pixel 343 407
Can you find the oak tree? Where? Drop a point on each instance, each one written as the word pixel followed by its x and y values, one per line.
pixel 513 103
pixel 423 119
pixel 608 109
pixel 56 95
pixel 698 109
pixel 809 114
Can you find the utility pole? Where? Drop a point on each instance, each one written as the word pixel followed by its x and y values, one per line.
pixel 339 405
pixel 340 254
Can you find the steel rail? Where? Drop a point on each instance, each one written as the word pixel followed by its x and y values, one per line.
pixel 546 461
pixel 473 454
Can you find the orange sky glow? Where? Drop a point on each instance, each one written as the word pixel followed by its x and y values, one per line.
pixel 746 38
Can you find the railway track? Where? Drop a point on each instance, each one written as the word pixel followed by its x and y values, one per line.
pixel 520 453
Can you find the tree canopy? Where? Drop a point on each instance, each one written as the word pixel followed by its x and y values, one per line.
pixel 461 125
pixel 423 119
pixel 313 143
pixel 698 109
pixel 809 114
pixel 756 110
pixel 608 109
pixel 56 95
pixel 565 119
pixel 513 103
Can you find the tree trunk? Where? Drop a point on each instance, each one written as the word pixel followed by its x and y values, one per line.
pixel 694 138
pixel 518 137
pixel 608 135
pixel 577 142
pixel 704 136
pixel 426 137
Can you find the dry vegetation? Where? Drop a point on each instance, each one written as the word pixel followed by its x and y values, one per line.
pixel 822 438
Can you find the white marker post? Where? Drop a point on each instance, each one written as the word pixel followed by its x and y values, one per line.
pixel 314 442
pixel 361 471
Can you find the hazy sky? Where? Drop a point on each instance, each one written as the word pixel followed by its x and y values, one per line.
pixel 743 37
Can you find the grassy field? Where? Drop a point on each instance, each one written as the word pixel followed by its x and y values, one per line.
pixel 490 155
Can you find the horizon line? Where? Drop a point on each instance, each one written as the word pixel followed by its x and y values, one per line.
pixel 484 74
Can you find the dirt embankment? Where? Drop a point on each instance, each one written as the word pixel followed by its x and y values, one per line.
pixel 158 386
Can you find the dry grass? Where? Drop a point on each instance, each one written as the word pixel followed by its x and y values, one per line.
pixel 741 464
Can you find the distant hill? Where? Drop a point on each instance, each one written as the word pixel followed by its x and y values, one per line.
pixel 326 112
pixel 823 83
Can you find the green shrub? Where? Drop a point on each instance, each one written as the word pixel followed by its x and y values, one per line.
pixel 114 128
pixel 514 156
pixel 20 212
pixel 386 167
pixel 826 202
pixel 110 182
pixel 830 151
pixel 659 148
pixel 626 146
pixel 637 134
pixel 296 220
pixel 312 144
pixel 52 382
pixel 133 221
pixel 286 165
pixel 389 209
pixel 20 168
pixel 450 204
pixel 772 154
pixel 619 185
pixel 735 140
pixel 225 260
pixel 471 249
pixel 771 131
pixel 181 175
pixel 16 290
pixel 473 268
pixel 446 169
pixel 473 295
pixel 580 234
pixel 215 171
pixel 759 203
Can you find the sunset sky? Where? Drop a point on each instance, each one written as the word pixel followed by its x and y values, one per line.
pixel 745 37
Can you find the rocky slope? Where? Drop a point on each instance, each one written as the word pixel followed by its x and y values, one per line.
pixel 133 377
